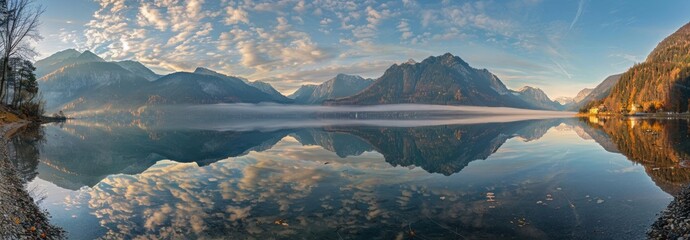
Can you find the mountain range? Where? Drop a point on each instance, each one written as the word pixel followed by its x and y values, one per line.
pixel 597 94
pixel 569 101
pixel 445 80
pixel 340 86
pixel 77 81
pixel 74 81
pixel 536 98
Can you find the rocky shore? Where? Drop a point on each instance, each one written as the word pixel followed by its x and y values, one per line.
pixel 20 217
pixel 674 222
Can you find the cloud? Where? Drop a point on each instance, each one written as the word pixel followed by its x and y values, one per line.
pixel 373 16
pixel 236 15
pixel 284 41
pixel 580 7
pixel 404 28
pixel 326 21
pixel 562 69
pixel 148 15
pixel 300 6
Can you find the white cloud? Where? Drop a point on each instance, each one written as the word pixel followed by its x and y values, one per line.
pixel 236 15
pixel 300 7
pixel 326 21
pixel 150 16
pixel 261 39
pixel 373 16
pixel 404 28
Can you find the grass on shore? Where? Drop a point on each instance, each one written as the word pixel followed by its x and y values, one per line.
pixel 8 117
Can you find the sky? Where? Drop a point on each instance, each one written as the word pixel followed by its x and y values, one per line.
pixel 560 46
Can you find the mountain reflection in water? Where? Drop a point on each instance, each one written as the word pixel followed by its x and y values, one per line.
pixel 365 182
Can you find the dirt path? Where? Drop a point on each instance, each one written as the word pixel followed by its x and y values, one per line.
pixel 20 217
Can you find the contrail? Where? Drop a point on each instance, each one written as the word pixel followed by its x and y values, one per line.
pixel 577 15
pixel 562 69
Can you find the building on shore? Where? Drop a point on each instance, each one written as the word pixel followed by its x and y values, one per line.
pixel 635 108
pixel 597 110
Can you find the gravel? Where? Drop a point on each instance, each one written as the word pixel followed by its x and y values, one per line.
pixel 674 222
pixel 20 216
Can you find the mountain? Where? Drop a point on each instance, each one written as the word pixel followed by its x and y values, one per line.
pixel 660 82
pixel 582 94
pixel 564 100
pixel 446 80
pixel 598 93
pixel 195 88
pixel 73 82
pixel 171 89
pixel 83 81
pixel 57 58
pixel 338 87
pixel 139 69
pixel 71 79
pixel 88 56
pixel 573 103
pixel 342 144
pixel 303 93
pixel 265 88
pixel 62 59
pixel 536 98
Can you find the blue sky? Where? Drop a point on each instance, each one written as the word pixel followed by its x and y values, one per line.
pixel 559 46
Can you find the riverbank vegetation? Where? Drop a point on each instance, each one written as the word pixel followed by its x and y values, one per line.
pixel 19 95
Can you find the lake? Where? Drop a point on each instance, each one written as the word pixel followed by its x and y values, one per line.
pixel 557 178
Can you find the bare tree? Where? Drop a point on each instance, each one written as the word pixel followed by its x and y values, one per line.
pixel 20 23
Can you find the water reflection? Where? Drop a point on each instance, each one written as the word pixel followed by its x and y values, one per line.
pixel 24 151
pixel 81 154
pixel 111 150
pixel 20 215
pixel 662 146
pixel 445 149
pixel 546 179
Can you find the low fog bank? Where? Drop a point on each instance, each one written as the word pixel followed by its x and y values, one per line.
pixel 268 117
pixel 280 109
pixel 278 124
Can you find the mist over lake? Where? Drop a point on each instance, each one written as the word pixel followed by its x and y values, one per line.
pixel 275 116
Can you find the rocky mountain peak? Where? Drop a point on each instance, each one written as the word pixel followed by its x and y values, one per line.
pixel 64 54
pixel 88 56
pixel 564 100
pixel 528 89
pixel 205 71
pixel 582 94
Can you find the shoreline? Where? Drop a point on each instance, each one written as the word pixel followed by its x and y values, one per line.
pixel 643 115
pixel 20 216
pixel 674 221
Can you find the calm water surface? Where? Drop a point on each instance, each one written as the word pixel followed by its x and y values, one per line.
pixel 539 179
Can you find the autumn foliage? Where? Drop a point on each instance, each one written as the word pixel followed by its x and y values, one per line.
pixel 661 83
